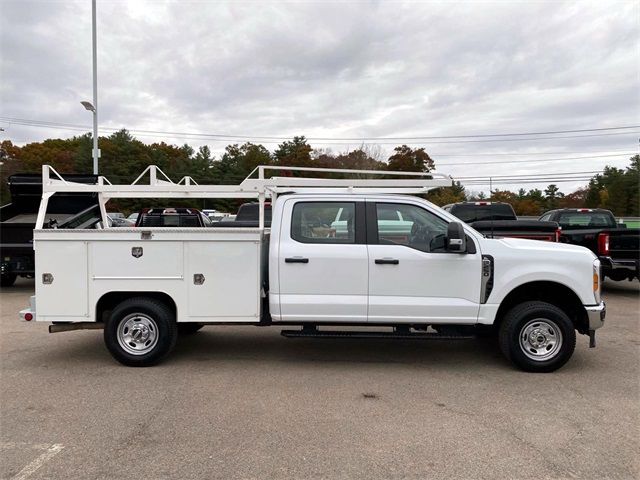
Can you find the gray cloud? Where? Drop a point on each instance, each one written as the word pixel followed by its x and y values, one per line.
pixel 362 69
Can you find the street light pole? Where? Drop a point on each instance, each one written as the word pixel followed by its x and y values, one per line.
pixel 95 153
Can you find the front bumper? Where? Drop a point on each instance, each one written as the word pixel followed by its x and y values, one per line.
pixel 596 314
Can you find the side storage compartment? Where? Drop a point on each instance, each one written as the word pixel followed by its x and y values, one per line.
pixel 224 280
pixel 61 280
pixel 145 261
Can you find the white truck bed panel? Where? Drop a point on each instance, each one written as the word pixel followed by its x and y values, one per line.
pixel 87 264
pixel 231 279
pixel 66 296
pixel 115 260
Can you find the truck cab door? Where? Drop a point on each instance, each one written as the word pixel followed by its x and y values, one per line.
pixel 322 262
pixel 412 277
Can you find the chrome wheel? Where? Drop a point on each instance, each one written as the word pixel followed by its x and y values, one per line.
pixel 137 334
pixel 540 339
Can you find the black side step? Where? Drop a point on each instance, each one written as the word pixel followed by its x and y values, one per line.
pixel 402 335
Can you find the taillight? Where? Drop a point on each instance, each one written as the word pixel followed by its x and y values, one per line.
pixel 603 244
pixel 596 280
pixel 558 232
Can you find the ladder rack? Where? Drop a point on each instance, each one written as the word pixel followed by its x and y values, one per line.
pixel 261 188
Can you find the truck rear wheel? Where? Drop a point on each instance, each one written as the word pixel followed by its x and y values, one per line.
pixel 140 332
pixel 8 279
pixel 537 337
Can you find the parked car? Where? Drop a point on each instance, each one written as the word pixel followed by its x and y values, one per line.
pixel 18 218
pixel 498 219
pixel 617 247
pixel 247 216
pixel 215 215
pixel 133 217
pixel 120 221
pixel 172 217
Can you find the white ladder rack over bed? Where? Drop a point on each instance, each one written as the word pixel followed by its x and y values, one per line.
pixel 257 188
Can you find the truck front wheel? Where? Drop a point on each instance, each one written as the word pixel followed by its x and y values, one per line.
pixel 140 332
pixel 537 337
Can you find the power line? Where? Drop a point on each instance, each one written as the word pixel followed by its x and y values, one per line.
pixel 523 175
pixel 275 139
pixel 535 160
pixel 432 154
pixel 526 182
pixel 139 133
pixel 510 154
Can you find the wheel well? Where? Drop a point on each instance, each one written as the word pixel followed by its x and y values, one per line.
pixel 109 301
pixel 551 292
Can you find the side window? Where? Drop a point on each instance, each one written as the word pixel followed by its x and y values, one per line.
pixel 410 225
pixel 324 222
pixel 546 217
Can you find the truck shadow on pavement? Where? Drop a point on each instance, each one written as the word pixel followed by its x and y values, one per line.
pixel 218 345
pixel 213 345
pixel 625 288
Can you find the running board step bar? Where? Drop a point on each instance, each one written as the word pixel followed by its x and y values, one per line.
pixel 402 335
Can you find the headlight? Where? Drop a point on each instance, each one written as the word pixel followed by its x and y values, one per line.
pixel 596 280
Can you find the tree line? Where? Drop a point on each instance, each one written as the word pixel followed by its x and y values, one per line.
pixel 124 157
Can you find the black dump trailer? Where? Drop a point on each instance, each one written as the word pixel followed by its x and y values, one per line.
pixel 18 218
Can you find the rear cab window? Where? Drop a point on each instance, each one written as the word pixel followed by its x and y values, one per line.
pixel 586 220
pixel 326 223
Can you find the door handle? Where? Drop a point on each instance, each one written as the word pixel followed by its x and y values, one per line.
pixel 387 261
pixel 296 260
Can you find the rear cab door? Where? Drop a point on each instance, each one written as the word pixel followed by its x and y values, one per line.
pixel 321 261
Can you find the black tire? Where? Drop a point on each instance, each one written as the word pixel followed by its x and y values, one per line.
pixel 617 276
pixel 122 337
pixel 537 337
pixel 189 328
pixel 8 279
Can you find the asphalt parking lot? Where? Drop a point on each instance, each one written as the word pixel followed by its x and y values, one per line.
pixel 244 402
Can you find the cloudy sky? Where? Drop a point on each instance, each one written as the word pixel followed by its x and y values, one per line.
pixel 380 73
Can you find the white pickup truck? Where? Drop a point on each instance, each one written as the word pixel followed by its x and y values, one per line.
pixel 438 279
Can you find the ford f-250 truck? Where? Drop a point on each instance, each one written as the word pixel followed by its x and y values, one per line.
pixel 440 279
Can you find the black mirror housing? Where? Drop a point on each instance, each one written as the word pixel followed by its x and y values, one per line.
pixel 456 239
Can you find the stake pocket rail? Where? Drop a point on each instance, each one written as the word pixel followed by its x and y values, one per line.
pixel 261 188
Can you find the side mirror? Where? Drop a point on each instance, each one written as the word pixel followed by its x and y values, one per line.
pixel 456 239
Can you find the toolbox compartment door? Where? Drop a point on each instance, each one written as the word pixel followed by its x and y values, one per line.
pixel 66 263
